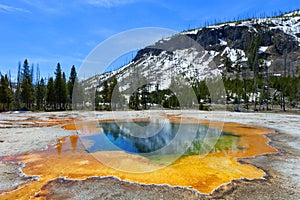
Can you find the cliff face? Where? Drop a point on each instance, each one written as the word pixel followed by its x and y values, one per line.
pixel 239 37
pixel 275 37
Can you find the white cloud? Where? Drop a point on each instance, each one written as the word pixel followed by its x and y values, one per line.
pixel 49 7
pixel 7 9
pixel 109 3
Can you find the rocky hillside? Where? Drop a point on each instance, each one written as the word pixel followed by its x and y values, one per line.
pixel 234 49
pixel 220 44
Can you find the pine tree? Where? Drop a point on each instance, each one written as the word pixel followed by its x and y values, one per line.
pixel 105 92
pixel 2 93
pixel 60 88
pixel 64 92
pixel 26 70
pixel 71 83
pixel 32 72
pixel 75 90
pixel 145 96
pixel 98 100
pixel 50 94
pixel 57 86
pixel 6 95
pixel 134 100
pixel 17 95
pixel 27 90
pixel 228 65
pixel 40 94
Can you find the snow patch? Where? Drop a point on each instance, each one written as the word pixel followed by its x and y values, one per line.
pixel 222 42
pixel 235 54
pixel 164 67
pixel 297 12
pixel 192 32
pixel 262 49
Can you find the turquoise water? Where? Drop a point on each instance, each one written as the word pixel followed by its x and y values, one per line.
pixel 155 138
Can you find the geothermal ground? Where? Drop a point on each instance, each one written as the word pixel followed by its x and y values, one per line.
pixel 23 133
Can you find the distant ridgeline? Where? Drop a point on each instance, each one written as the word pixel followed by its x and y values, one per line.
pixel 258 60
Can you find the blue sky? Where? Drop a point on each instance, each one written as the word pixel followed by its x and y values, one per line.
pixel 66 31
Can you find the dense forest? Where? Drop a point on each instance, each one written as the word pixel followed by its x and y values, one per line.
pixel 273 93
pixel 55 93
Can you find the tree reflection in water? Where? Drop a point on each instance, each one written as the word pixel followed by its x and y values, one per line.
pixel 132 137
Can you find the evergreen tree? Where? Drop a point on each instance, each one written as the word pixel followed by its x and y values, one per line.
pixel 98 99
pixel 57 86
pixel 26 70
pixel 134 100
pixel 6 95
pixel 107 96
pixel 17 95
pixel 32 72
pixel 50 94
pixel 40 94
pixel 2 93
pixel 27 90
pixel 228 64
pixel 112 84
pixel 144 98
pixel 60 88
pixel 64 91
pixel 71 83
pixel 75 90
pixel 105 92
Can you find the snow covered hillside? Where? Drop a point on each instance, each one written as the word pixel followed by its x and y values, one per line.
pixel 227 49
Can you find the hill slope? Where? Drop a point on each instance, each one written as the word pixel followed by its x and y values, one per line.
pixel 235 50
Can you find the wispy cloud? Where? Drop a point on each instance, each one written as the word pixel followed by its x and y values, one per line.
pixel 48 7
pixel 110 3
pixel 8 9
